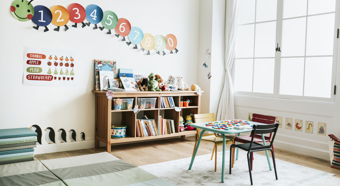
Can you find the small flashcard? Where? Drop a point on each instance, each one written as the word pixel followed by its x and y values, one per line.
pixel 322 128
pixel 309 127
pixel 289 123
pixel 49 67
pixel 279 121
pixel 298 125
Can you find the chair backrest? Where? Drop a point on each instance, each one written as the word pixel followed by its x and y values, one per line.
pixel 263 129
pixel 200 118
pixel 263 119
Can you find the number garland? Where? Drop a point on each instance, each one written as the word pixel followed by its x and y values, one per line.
pixel 58 15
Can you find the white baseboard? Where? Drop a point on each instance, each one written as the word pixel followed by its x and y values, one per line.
pixel 60 147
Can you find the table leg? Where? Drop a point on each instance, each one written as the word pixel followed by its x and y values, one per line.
pixel 223 158
pixel 237 148
pixel 264 143
pixel 197 145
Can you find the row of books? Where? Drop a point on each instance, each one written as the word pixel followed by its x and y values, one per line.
pixel 148 127
pixel 167 102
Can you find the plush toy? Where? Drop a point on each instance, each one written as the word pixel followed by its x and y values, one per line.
pixel 153 83
pixel 181 84
pixel 181 120
pixel 143 84
pixel 172 83
pixel 195 87
pixel 160 81
pixel 188 122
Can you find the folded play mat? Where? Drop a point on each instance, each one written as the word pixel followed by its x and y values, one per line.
pixel 17 145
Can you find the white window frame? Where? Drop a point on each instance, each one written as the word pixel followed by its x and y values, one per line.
pixel 279 19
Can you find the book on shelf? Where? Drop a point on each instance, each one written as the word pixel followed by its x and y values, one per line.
pixel 146 127
pixel 167 102
pixel 103 65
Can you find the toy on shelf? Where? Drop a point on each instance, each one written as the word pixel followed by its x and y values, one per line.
pixel 153 83
pixel 181 84
pixel 195 87
pixel 160 81
pixel 172 83
pixel 143 84
pixel 187 125
pixel 181 124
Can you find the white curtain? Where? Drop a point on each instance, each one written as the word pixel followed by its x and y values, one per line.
pixel 226 105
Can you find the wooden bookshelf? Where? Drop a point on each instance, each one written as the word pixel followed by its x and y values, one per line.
pixel 105 115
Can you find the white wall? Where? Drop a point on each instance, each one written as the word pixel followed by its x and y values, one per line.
pixel 73 108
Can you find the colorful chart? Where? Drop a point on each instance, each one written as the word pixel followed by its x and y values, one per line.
pixel 160 43
pixel 123 27
pixel 60 15
pixel 94 14
pixel 171 42
pixel 77 12
pixel 148 42
pixel 22 10
pixel 136 35
pixel 110 20
pixel 43 16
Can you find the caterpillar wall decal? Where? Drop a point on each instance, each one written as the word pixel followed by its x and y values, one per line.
pixel 58 15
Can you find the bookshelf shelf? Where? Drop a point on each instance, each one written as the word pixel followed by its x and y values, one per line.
pixel 105 116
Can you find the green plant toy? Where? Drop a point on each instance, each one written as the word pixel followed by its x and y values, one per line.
pixel 153 83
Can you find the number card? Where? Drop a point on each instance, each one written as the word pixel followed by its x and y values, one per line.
pixel 60 15
pixel 94 14
pixel 43 16
pixel 171 42
pixel 136 35
pixel 148 42
pixel 110 20
pixel 160 43
pixel 77 12
pixel 123 27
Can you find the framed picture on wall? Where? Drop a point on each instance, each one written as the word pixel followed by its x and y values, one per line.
pixel 279 120
pixel 298 125
pixel 289 123
pixel 309 127
pixel 322 129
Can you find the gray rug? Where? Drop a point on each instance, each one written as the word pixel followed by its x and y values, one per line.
pixel 202 172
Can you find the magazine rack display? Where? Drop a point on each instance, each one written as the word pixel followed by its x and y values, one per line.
pixel 106 114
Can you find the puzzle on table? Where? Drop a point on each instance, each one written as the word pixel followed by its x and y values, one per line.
pixel 229 124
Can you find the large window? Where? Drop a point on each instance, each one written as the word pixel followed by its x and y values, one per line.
pixel 287 48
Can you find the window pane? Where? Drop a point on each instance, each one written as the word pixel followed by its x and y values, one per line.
pixel 294 8
pixel 293 37
pixel 243 75
pixel 320 6
pixel 264 75
pixel 318 77
pixel 266 10
pixel 291 76
pixel 265 39
pixel 320 35
pixel 246 11
pixel 245 41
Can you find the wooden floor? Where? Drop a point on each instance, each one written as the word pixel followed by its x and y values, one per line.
pixel 172 149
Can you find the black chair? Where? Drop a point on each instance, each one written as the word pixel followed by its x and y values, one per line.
pixel 253 147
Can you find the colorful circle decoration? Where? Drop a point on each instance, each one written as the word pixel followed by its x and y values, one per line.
pixel 148 42
pixel 22 10
pixel 77 12
pixel 94 14
pixel 123 27
pixel 136 35
pixel 160 43
pixel 171 42
pixel 60 16
pixel 110 20
pixel 43 16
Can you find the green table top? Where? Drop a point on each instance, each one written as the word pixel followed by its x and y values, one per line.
pixel 222 131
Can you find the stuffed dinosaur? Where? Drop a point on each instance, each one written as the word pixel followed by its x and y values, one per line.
pixel 153 83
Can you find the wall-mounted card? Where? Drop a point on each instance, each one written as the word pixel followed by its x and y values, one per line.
pixel 289 123
pixel 298 125
pixel 322 128
pixel 279 120
pixel 309 127
pixel 105 76
pixel 129 84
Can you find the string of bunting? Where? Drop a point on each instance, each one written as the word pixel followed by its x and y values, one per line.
pixel 41 16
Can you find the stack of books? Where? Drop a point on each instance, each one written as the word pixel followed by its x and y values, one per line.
pixel 167 102
pixel 166 126
pixel 146 127
pixel 17 145
pixel 125 72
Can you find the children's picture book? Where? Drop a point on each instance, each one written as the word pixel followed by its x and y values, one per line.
pixel 103 65
pixel 129 84
pixel 105 78
pixel 125 72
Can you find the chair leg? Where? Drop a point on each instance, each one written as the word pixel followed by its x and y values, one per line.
pixel 232 165
pixel 212 154
pixel 215 157
pixel 274 163
pixel 273 149
pixel 249 159
pixel 252 159
pixel 231 157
